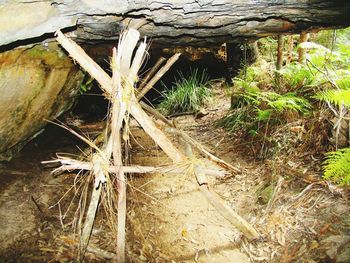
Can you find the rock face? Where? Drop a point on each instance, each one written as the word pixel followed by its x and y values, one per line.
pixel 36 83
pixel 39 82
pixel 180 22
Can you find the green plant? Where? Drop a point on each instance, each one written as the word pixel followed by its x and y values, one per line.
pixel 251 108
pixel 87 84
pixel 281 102
pixel 187 94
pixel 335 96
pixel 235 120
pixel 296 76
pixel 337 166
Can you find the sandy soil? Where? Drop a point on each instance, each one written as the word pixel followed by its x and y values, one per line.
pixel 168 219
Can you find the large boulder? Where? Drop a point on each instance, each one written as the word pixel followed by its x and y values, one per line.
pixel 37 83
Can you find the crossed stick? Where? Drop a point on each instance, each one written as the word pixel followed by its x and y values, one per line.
pixel 120 91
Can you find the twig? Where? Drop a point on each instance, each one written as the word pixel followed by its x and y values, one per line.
pixel 157 76
pixel 156 134
pixel 203 149
pixel 89 221
pixel 37 206
pixel 151 73
pixel 85 61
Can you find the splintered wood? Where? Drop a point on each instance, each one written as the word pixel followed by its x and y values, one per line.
pixel 107 165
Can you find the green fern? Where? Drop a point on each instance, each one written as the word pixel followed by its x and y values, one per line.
pixel 245 85
pixel 278 102
pixel 251 108
pixel 336 97
pixel 343 80
pixel 297 75
pixel 337 166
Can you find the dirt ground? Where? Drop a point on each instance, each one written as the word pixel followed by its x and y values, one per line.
pixel 168 219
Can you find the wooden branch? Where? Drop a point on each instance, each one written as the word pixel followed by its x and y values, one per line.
pixel 92 249
pixel 72 164
pixel 78 54
pixel 151 73
pixel 156 114
pixel 203 149
pixel 156 134
pixel 127 43
pixel 89 221
pixel 230 215
pixel 157 76
pixel 120 65
pixel 193 142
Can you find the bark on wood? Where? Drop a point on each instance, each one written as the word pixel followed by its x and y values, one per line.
pixel 304 36
pixel 279 52
pixel 290 45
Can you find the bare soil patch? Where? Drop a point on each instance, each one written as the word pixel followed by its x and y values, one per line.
pixel 169 220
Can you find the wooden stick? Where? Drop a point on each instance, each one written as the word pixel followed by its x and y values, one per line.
pixel 119 108
pixel 203 149
pixel 68 164
pixel 89 221
pixel 156 113
pixel 237 221
pixel 157 76
pixel 78 54
pixel 127 43
pixel 193 142
pixel 92 249
pixel 151 73
pixel 230 215
pixel 156 134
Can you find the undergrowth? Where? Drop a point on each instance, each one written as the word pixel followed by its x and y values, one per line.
pixel 265 101
pixel 188 94
pixel 337 166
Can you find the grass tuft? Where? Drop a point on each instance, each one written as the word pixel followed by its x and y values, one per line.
pixel 186 94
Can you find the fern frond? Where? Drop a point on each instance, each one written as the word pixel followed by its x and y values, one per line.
pixel 343 82
pixel 336 97
pixel 337 166
pixel 298 75
pixel 288 101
